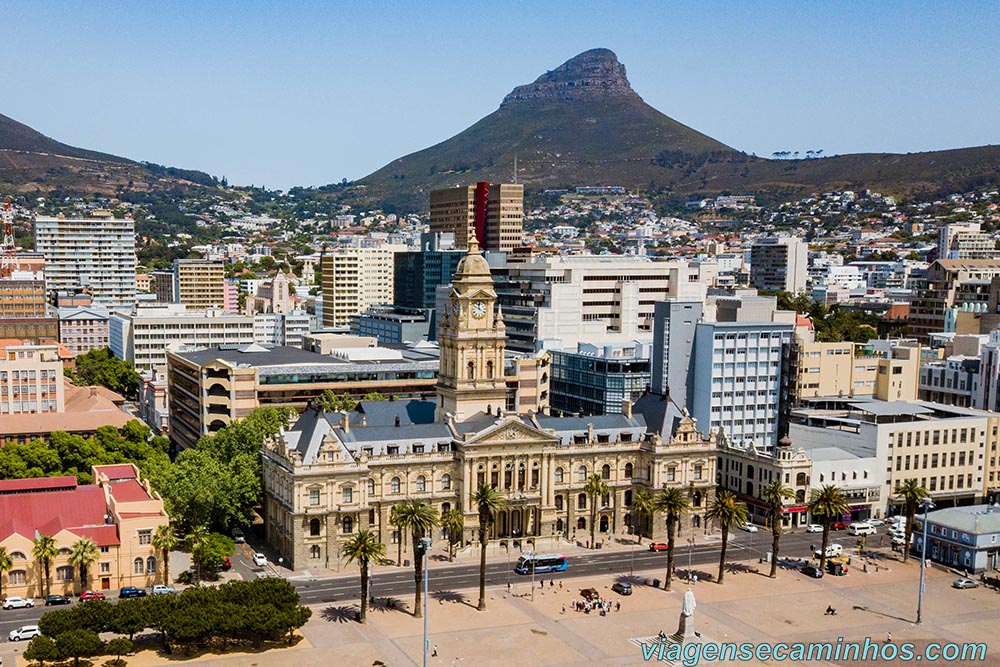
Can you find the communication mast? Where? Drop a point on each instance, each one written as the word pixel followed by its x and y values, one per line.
pixel 8 251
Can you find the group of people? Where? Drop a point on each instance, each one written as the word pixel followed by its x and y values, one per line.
pixel 597 604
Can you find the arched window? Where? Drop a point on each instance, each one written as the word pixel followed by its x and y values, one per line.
pixel 314 551
pixel 559 525
pixel 581 523
pixel 605 500
pixel 445 507
pixel 559 503
pixel 65 573
pixel 559 475
pixel 151 565
pixel 446 482
pixel 696 499
pixel 750 489
pixel 800 479
pixel 421 484
pixel 489 370
pixel 394 485
pixel 314 527
pixel 472 371
pixel 18 555
pixel 137 566
pixel 628 471
pixel 371 487
pixel 605 471
pixel 348 525
pixel 581 501
pixel 800 496
pixel 581 473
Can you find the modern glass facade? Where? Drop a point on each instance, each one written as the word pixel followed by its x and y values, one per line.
pixel 592 385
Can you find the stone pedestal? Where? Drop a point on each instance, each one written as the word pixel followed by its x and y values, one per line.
pixel 685 629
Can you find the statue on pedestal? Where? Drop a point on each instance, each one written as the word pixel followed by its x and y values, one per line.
pixel 685 629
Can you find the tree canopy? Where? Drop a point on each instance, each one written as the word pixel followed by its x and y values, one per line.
pixel 833 324
pixel 101 367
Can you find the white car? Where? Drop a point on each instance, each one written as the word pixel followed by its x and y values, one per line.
pixel 160 589
pixel 259 559
pixel 24 632
pixel 814 528
pixel 875 522
pixel 18 603
pixel 749 527
pixel 832 551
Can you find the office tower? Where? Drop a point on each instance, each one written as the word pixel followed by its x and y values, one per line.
pixel 951 286
pixel 95 255
pixel 199 283
pixel 779 264
pixel 674 325
pixel 599 379
pixel 418 274
pixel 163 286
pixel 22 295
pixel 355 279
pixel 494 213
pixel 965 240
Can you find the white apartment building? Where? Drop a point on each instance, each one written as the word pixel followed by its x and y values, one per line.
pixel 143 336
pixel 276 329
pixel 355 279
pixel 965 240
pixel 779 264
pixel 31 379
pixel 95 254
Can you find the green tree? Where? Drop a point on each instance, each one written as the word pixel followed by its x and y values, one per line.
pixel 642 506
pixel 673 502
pixel 595 488
pixel 827 504
pixel 488 502
pixel 454 523
pixel 165 541
pixel 6 563
pixel 365 548
pixel 775 494
pixel 196 541
pixel 128 617
pixel 419 518
pixel 118 647
pixel 56 622
pixel 77 644
pixel 44 552
pixel 728 512
pixel 40 649
pixel 83 554
pixel 912 494
pixel 102 367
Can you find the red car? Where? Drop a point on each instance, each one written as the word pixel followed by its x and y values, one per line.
pixel 658 546
pixel 226 563
pixel 838 525
pixel 91 595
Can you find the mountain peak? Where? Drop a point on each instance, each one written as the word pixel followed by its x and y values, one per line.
pixel 591 74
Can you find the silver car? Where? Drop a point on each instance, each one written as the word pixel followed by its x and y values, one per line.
pixel 964 583
pixel 18 603
pixel 24 632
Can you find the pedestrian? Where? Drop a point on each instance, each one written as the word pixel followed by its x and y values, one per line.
pixel 888 637
pixel 560 584
pixel 880 538
pixel 508 587
pixel 618 605
pixel 552 584
pixel 695 579
pixel 563 610
pixel 434 654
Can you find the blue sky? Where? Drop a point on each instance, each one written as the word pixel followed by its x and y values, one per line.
pixel 307 93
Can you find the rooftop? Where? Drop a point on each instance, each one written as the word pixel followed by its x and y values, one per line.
pixel 975 519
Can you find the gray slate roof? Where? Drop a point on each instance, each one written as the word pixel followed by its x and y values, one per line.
pixel 973 519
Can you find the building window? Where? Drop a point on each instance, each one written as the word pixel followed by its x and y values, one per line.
pixel 105 550
pixel 371 487
pixel 581 473
pixel 145 537
pixel 105 568
pixel 347 495
pixel 671 474
pixel 472 371
pixel 581 501
pixel 137 566
pixel 16 577
pixel 151 565
pixel 314 496
pixel 65 572
pixel 559 475
pixel 421 484
pixel 559 503
pixel 446 483
pixel 628 471
pixel 697 471
pixel 18 555
pixel 348 524
pixel 394 485
pixel 489 370
pixel 314 551
pixel 314 527
pixel 628 498
pixel 605 471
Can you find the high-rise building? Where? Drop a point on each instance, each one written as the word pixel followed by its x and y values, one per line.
pixel 22 295
pixel 493 213
pixel 419 274
pixel 950 285
pixel 199 283
pixel 599 379
pixel 31 378
pixel 674 325
pixel 95 255
pixel 355 279
pixel 163 287
pixel 779 264
pixel 965 240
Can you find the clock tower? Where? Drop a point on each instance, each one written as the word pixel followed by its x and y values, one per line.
pixel 472 339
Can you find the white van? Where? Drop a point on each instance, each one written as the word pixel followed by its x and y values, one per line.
pixel 861 529
pixel 832 551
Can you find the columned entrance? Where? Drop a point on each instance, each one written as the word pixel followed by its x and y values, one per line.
pixel 516 522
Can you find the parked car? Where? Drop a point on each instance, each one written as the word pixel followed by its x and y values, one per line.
pixel 227 563
pixel 749 527
pixel 91 595
pixel 259 559
pixel 160 589
pixel 56 599
pixel 132 592
pixel 658 546
pixel 875 522
pixel 238 536
pixel 964 583
pixel 18 603
pixel 861 528
pixel 898 541
pixel 622 588
pixel 838 525
pixel 589 593
pixel 832 551
pixel 814 528
pixel 23 632
pixel 812 571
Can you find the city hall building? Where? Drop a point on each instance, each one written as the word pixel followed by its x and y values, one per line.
pixel 331 475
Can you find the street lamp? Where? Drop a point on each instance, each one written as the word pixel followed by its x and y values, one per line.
pixel 927 505
pixel 425 548
pixel 690 547
pixel 631 565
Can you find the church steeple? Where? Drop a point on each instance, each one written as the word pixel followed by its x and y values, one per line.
pixel 472 340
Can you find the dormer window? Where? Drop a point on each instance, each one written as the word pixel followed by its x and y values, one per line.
pixel 392 449
pixel 418 449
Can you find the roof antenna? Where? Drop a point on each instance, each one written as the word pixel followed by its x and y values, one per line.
pixel 515 168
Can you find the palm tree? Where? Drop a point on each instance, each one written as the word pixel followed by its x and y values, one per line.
pixel 419 518
pixel 6 563
pixel 394 522
pixel 911 493
pixel 827 504
pixel 83 554
pixel 673 502
pixel 594 487
pixel 196 543
pixel 642 506
pixel 44 552
pixel 728 512
pixel 488 502
pixel 364 547
pixel 165 541
pixel 775 494
pixel 454 522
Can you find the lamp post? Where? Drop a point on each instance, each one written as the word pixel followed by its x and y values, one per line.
pixel 425 547
pixel 631 564
pixel 927 505
pixel 690 548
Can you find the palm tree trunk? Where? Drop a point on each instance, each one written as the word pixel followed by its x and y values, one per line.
pixel 593 521
pixel 482 568
pixel 418 578
pixel 775 539
pixel 670 553
pixel 48 581
pixel 364 591
pixel 399 548
pixel 166 567
pixel 722 554
pixel 826 540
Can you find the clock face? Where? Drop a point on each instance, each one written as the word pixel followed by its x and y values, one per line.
pixel 479 309
pixel 456 308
